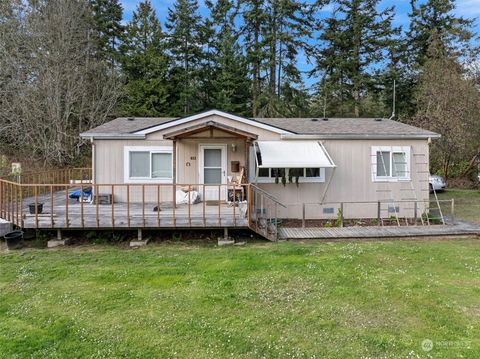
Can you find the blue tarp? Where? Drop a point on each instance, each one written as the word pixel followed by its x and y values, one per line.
pixel 87 192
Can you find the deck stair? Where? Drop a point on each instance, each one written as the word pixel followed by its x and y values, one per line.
pixel 263 213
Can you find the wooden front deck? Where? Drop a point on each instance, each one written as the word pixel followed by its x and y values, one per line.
pixel 458 228
pixel 133 204
pixel 74 214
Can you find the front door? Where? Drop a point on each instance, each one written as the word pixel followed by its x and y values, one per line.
pixel 213 171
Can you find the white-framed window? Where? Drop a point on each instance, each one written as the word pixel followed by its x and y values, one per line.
pixel 390 163
pixel 307 175
pixel 268 175
pixel 148 164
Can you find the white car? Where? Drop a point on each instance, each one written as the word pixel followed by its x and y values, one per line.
pixel 436 183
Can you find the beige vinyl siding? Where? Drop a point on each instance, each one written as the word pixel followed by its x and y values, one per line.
pixel 109 169
pixel 189 148
pixel 109 164
pixel 352 180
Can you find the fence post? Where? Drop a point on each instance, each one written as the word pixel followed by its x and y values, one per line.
pixel 379 214
pixel 249 203
pixel 1 198
pixel 415 212
pixel 36 206
pixel 341 214
pixel 21 205
pixel 276 222
pixel 303 215
pixel 453 210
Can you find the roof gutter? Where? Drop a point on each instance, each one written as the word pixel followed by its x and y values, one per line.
pixel 365 136
pixel 109 136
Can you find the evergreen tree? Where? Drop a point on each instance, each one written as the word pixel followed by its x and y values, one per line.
pixel 230 83
pixel 331 64
pixel 435 33
pixel 253 19
pixel 295 101
pixel 186 32
pixel 397 69
pixel 435 19
pixel 448 102
pixel 289 25
pixel 107 17
pixel 356 39
pixel 144 64
pixel 275 33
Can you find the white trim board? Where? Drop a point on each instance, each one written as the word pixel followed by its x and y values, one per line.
pixel 151 149
pixel 181 121
pixel 391 149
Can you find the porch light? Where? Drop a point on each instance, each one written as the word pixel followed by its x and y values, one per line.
pixel 234 147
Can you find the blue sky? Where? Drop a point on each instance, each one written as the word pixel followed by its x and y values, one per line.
pixel 466 8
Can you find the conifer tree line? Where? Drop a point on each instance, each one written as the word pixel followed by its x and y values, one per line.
pixel 256 58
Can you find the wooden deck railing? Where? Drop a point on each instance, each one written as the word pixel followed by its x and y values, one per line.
pixel 52 176
pixel 122 205
pixel 132 205
pixel 402 212
pixel 264 212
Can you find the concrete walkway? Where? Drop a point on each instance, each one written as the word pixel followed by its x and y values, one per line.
pixel 457 229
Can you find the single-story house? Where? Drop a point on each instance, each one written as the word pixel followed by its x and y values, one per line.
pixel 312 166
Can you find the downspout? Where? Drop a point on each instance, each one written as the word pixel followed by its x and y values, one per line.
pixel 256 162
pixel 93 160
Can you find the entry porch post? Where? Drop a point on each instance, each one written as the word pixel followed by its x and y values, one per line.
pixel 247 169
pixel 247 157
pixel 174 173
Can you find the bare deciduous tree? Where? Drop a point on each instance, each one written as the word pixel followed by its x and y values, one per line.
pixel 52 84
pixel 449 103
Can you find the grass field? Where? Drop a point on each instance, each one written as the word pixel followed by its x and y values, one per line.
pixel 467 203
pixel 284 300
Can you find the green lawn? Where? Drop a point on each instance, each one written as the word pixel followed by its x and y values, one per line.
pixel 467 203
pixel 369 299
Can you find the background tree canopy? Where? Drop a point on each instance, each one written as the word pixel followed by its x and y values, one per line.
pixel 68 65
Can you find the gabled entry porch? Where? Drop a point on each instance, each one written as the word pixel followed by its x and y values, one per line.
pixel 212 154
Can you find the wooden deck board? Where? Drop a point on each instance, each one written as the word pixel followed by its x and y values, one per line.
pixel 460 228
pixel 140 217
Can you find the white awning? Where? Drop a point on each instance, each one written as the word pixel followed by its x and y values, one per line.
pixel 292 154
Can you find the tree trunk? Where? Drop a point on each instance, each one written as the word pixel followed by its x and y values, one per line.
pixel 256 70
pixel 471 163
pixel 446 165
pixel 273 54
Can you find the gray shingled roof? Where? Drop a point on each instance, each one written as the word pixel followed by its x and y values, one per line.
pixel 345 126
pixel 127 125
pixel 123 126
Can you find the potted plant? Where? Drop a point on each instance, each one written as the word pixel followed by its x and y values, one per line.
pixel 280 175
pixel 39 207
pixel 295 172
pixel 14 239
